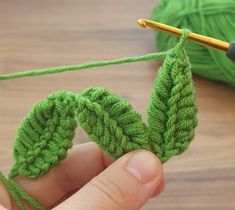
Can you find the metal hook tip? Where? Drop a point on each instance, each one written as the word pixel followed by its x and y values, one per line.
pixel 142 23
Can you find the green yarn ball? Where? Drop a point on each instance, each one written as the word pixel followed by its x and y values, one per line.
pixel 213 18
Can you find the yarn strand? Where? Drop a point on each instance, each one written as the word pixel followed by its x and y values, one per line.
pixel 24 196
pixel 59 69
pixel 12 192
pixel 18 193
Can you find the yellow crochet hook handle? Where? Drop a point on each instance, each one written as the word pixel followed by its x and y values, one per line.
pixel 229 48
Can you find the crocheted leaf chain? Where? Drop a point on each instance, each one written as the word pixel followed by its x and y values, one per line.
pixel 46 134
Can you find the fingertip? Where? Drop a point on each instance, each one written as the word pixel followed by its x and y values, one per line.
pixel 143 165
pixel 160 188
pixel 108 160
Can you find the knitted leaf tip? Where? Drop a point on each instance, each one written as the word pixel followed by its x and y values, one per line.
pixel 44 136
pixel 172 110
pixel 111 122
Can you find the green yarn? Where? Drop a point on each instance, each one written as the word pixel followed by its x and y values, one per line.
pixel 12 191
pixel 24 196
pixel 19 193
pixel 46 134
pixel 213 18
pixel 60 69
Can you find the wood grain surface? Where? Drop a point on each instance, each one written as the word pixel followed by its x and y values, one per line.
pixel 38 34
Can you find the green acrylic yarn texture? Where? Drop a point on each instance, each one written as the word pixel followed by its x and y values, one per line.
pixel 18 194
pixel 46 134
pixel 61 69
pixel 213 18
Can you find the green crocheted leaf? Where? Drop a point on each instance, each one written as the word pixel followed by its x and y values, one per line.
pixel 47 132
pixel 111 122
pixel 172 111
pixel 44 136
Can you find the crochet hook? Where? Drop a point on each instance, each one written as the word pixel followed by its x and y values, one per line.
pixel 228 48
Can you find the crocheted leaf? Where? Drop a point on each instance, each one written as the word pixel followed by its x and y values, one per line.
pixel 172 111
pixel 47 132
pixel 44 136
pixel 111 122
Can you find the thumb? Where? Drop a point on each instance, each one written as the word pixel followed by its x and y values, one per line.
pixel 125 185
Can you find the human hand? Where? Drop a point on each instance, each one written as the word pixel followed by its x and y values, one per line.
pixel 89 180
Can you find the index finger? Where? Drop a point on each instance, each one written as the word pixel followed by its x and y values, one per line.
pixel 82 164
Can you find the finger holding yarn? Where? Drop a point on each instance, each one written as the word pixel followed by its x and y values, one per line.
pixel 172 110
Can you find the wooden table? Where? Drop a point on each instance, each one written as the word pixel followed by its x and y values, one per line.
pixel 38 34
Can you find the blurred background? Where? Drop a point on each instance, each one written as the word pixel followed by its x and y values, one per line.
pixel 39 34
